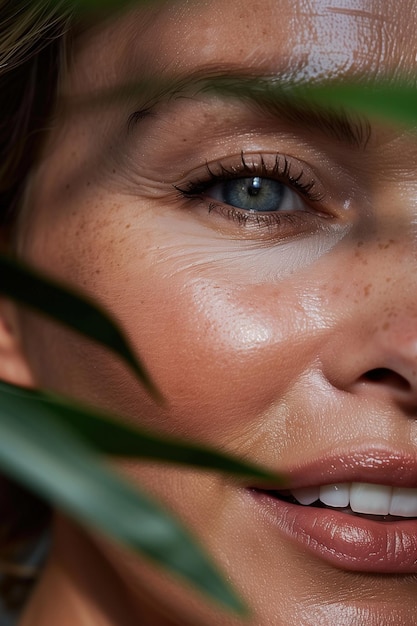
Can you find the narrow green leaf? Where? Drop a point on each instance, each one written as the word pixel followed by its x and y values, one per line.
pixel 389 98
pixel 110 436
pixel 394 101
pixel 50 298
pixel 41 453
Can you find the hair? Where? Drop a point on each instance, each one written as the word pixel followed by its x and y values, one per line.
pixel 33 37
pixel 33 42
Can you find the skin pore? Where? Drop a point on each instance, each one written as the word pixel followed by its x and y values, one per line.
pixel 280 338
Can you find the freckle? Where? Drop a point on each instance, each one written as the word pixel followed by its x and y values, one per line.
pixel 127 226
pixel 67 186
pixel 97 271
pixel 367 290
pixel 360 244
pixel 114 171
pixel 386 326
pixel 388 280
pixel 336 291
pixel 88 183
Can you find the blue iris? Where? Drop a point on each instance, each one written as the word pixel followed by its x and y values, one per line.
pixel 252 194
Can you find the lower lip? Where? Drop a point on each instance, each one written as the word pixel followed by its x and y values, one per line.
pixel 345 541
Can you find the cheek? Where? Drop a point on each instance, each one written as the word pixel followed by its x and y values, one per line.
pixel 217 344
pixel 221 348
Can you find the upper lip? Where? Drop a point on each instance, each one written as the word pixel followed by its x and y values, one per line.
pixel 367 464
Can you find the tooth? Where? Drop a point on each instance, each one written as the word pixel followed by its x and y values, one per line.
pixel 404 502
pixel 306 495
pixel 370 499
pixel 335 495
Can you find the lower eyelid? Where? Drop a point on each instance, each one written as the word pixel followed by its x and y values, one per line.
pixel 237 223
pixel 274 227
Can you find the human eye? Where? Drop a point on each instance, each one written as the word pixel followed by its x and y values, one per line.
pixel 258 191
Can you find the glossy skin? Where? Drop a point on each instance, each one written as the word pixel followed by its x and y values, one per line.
pixel 263 337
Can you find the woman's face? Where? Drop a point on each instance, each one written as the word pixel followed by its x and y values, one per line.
pixel 263 262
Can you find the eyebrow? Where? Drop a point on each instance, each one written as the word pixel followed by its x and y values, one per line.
pixel 270 97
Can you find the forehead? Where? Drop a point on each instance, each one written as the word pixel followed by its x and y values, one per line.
pixel 293 39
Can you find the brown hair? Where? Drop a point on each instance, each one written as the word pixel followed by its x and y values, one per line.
pixel 32 46
pixel 33 37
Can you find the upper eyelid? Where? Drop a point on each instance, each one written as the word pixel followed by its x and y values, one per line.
pixel 280 170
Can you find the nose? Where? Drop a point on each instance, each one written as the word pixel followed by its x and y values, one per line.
pixel 375 340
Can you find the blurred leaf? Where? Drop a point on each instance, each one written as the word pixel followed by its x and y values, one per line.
pixel 393 101
pixel 40 452
pixel 109 436
pixel 50 298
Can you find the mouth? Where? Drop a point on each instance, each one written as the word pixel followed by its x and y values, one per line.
pixel 366 500
pixel 358 513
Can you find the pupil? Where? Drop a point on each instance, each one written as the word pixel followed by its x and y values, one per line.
pixel 255 187
pixel 254 194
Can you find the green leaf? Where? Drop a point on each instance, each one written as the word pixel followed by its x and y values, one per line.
pixel 110 436
pixel 394 101
pixel 50 298
pixel 40 452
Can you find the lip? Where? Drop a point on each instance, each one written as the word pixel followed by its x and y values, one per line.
pixel 345 541
pixel 378 465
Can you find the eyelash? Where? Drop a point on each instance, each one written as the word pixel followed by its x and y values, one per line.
pixel 280 171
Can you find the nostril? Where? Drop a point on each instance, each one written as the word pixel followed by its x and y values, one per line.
pixel 387 377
